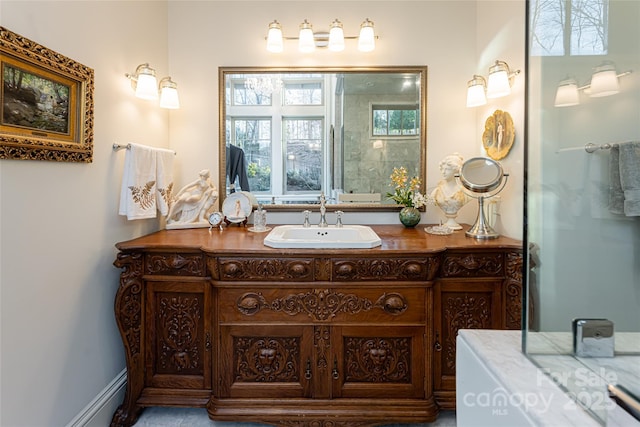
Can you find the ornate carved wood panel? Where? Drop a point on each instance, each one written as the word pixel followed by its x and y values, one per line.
pixel 461 304
pixel 128 303
pixel 128 310
pixel 175 264
pixel 378 361
pixel 262 361
pixel 462 310
pixel 322 347
pixel 512 289
pixel 397 304
pixel 321 304
pixel 179 333
pixel 472 265
pixel 385 268
pixel 283 269
pixel 266 359
pixel 178 337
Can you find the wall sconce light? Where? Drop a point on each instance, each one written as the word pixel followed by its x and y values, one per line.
pixel 145 85
pixel 336 37
pixel 500 80
pixel 144 82
pixel 367 38
pixel 308 41
pixel 169 94
pixel 274 38
pixel 567 93
pixel 604 82
pixel 498 84
pixel 476 88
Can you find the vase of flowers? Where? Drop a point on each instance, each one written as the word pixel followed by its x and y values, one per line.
pixel 406 193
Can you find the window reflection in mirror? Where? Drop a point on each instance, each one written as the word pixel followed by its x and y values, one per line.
pixel 290 134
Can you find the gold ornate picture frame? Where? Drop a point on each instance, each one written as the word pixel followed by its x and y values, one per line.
pixel 47 103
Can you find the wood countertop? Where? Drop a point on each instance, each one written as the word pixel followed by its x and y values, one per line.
pixel 238 240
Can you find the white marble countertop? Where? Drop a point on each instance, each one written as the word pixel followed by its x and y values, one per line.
pixel 550 389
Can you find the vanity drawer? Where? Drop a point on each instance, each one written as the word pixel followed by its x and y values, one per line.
pixel 379 268
pixel 266 269
pixel 322 304
pixel 473 264
pixel 175 264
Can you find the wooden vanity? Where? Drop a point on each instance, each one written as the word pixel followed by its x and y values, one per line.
pixel 306 337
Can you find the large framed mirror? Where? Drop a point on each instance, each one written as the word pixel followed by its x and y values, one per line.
pixel 288 134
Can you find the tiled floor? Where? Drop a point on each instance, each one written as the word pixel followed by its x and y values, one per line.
pixel 197 417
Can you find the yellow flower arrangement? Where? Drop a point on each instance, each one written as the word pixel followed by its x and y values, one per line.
pixel 406 190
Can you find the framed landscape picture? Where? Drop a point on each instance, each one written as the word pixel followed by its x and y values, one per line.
pixel 47 103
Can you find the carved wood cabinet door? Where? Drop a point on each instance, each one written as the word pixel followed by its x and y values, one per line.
pixel 379 361
pixel 461 304
pixel 178 335
pixel 265 361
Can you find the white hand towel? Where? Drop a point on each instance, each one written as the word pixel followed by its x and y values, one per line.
pixel 137 195
pixel 164 179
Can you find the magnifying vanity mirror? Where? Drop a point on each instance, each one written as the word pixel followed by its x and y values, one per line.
pixel 482 178
pixel 291 133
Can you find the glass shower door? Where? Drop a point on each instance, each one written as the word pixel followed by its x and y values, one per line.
pixel 584 251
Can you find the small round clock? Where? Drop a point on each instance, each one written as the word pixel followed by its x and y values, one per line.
pixel 215 219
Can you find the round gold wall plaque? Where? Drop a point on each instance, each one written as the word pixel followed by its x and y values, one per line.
pixel 498 135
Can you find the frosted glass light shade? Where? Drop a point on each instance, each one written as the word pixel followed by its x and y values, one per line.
pixel 146 83
pixel 336 37
pixel 306 42
pixel 567 94
pixel 476 92
pixel 604 81
pixel 367 38
pixel 498 84
pixel 274 38
pixel 169 94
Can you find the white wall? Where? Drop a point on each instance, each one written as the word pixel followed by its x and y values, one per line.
pixel 59 223
pixel 501 36
pixel 439 34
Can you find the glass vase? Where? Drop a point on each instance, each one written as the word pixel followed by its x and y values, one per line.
pixel 409 216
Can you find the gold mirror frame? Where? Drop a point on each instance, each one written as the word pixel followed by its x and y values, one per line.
pixel 222 77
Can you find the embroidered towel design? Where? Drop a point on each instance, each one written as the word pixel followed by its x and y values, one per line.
pixel 137 195
pixel 164 179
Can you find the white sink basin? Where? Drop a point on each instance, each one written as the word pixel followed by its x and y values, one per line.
pixel 314 237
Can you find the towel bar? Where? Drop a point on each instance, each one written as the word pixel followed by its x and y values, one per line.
pixel 589 147
pixel 118 147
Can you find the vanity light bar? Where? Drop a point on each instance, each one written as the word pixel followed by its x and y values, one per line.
pixel 334 39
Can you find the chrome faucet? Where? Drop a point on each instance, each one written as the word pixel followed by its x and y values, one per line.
pixel 306 223
pixel 323 211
